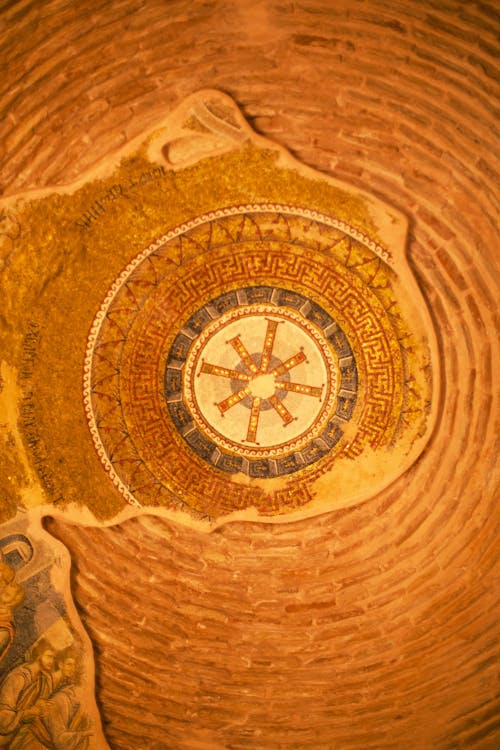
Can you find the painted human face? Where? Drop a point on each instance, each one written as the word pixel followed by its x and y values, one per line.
pixel 47 660
pixel 68 668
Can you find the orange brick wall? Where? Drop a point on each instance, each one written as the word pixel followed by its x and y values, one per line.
pixel 370 628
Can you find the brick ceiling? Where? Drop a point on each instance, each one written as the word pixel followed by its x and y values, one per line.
pixel 372 627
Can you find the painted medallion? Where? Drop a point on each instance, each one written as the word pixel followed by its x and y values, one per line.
pixel 278 353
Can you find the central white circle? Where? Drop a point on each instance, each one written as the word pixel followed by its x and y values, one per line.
pixel 228 377
pixel 262 386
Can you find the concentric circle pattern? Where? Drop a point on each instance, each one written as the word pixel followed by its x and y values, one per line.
pixel 258 382
pixel 373 627
pixel 262 352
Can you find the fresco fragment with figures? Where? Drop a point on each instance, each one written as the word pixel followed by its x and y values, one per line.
pixel 46 680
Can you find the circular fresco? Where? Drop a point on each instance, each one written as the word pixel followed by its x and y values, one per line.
pixel 256 381
pixel 237 358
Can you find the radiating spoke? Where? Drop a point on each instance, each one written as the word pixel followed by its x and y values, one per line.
pixel 281 409
pixel 305 390
pixel 238 345
pixel 253 422
pixel 224 372
pixel 233 399
pixel 272 325
pixel 289 363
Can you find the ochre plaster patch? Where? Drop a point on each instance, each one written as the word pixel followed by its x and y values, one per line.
pixel 136 254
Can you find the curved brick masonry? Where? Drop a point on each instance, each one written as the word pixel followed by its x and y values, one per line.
pixel 372 627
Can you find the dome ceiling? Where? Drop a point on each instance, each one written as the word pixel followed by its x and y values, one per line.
pixel 265 391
